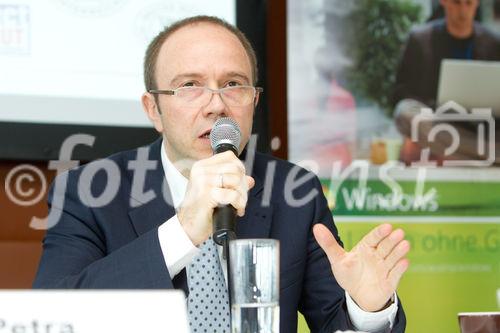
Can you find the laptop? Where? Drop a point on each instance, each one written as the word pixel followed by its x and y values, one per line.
pixel 470 83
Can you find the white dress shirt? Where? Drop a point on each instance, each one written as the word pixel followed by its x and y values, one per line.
pixel 178 251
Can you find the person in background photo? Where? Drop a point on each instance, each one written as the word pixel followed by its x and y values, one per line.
pixel 456 36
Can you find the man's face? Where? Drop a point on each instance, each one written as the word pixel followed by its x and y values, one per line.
pixel 201 54
pixel 460 13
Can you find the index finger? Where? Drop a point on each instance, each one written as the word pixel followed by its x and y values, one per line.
pixel 374 237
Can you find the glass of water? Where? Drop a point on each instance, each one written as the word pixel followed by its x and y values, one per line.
pixel 254 283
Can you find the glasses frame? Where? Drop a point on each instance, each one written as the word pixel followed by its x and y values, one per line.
pixel 173 92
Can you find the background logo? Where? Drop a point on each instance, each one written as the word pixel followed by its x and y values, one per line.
pixel 439 128
pixel 92 8
pixel 15 29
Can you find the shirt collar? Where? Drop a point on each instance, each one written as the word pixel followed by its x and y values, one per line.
pixel 177 183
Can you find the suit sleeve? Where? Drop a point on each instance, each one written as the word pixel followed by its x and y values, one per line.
pixel 75 253
pixel 323 302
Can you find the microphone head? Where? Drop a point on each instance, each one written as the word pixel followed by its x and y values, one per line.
pixel 225 132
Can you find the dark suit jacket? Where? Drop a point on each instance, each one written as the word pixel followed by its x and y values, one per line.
pixel 418 73
pixel 117 246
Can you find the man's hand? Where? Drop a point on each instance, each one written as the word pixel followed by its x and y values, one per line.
pixel 218 180
pixel 370 272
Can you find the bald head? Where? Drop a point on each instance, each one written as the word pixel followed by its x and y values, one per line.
pixel 153 50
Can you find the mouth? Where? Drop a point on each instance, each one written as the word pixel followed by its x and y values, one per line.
pixel 205 134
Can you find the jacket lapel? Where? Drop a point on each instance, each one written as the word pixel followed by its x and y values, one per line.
pixel 150 214
pixel 256 223
pixel 481 44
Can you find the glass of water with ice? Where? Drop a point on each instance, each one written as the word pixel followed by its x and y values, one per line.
pixel 254 283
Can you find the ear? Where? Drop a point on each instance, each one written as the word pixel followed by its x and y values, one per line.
pixel 152 111
pixel 257 97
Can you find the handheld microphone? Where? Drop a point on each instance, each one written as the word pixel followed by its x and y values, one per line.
pixel 224 136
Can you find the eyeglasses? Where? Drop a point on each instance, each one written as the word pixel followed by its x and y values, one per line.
pixel 200 96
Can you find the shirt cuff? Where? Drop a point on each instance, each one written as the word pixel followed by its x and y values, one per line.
pixel 177 248
pixel 381 321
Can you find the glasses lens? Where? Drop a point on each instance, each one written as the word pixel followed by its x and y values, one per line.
pixel 238 96
pixel 192 96
pixel 200 96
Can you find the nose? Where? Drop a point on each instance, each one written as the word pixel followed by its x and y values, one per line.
pixel 215 107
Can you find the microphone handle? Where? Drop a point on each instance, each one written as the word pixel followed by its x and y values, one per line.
pixel 224 218
pixel 224 224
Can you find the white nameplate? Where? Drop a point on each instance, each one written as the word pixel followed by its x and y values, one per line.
pixel 65 311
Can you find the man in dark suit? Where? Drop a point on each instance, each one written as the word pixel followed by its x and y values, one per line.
pixel 457 36
pixel 143 218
